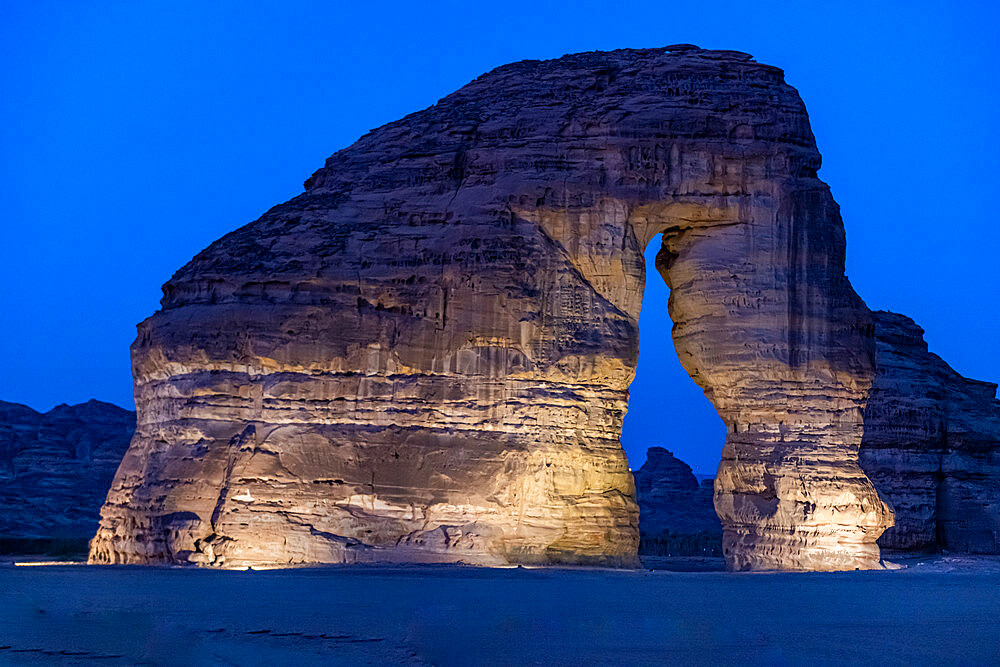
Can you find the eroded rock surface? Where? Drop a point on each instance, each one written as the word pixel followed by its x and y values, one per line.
pixel 56 467
pixel 932 446
pixel 426 355
pixel 676 510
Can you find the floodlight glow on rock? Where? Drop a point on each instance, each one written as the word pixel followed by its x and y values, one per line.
pixel 426 356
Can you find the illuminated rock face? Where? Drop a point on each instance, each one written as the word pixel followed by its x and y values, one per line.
pixel 931 446
pixel 426 355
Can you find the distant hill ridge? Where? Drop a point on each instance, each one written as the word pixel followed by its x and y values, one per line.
pixel 676 511
pixel 55 471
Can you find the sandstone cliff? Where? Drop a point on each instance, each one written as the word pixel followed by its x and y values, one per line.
pixel 426 355
pixel 55 470
pixel 931 446
pixel 676 511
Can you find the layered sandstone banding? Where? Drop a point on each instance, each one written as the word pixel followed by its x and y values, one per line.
pixel 55 470
pixel 676 512
pixel 931 446
pixel 426 355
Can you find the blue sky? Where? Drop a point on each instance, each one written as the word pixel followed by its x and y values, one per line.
pixel 135 133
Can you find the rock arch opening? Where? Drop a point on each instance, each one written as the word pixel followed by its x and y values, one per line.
pixel 665 407
pixel 672 436
pixel 766 323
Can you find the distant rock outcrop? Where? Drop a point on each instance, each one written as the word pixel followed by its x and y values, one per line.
pixel 56 468
pixel 931 446
pixel 676 512
pixel 426 355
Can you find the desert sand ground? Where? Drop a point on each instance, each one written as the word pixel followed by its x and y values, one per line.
pixel 940 611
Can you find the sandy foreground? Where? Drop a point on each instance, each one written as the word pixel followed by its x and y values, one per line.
pixel 942 611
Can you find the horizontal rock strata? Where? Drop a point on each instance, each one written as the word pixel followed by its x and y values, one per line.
pixel 55 471
pixel 426 355
pixel 932 446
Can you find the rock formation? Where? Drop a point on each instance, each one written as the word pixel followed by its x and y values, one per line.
pixel 676 512
pixel 426 355
pixel 931 446
pixel 55 470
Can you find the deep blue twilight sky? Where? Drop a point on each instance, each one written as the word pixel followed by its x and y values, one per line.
pixel 132 134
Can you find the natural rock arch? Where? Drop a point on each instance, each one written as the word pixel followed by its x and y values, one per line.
pixel 426 355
